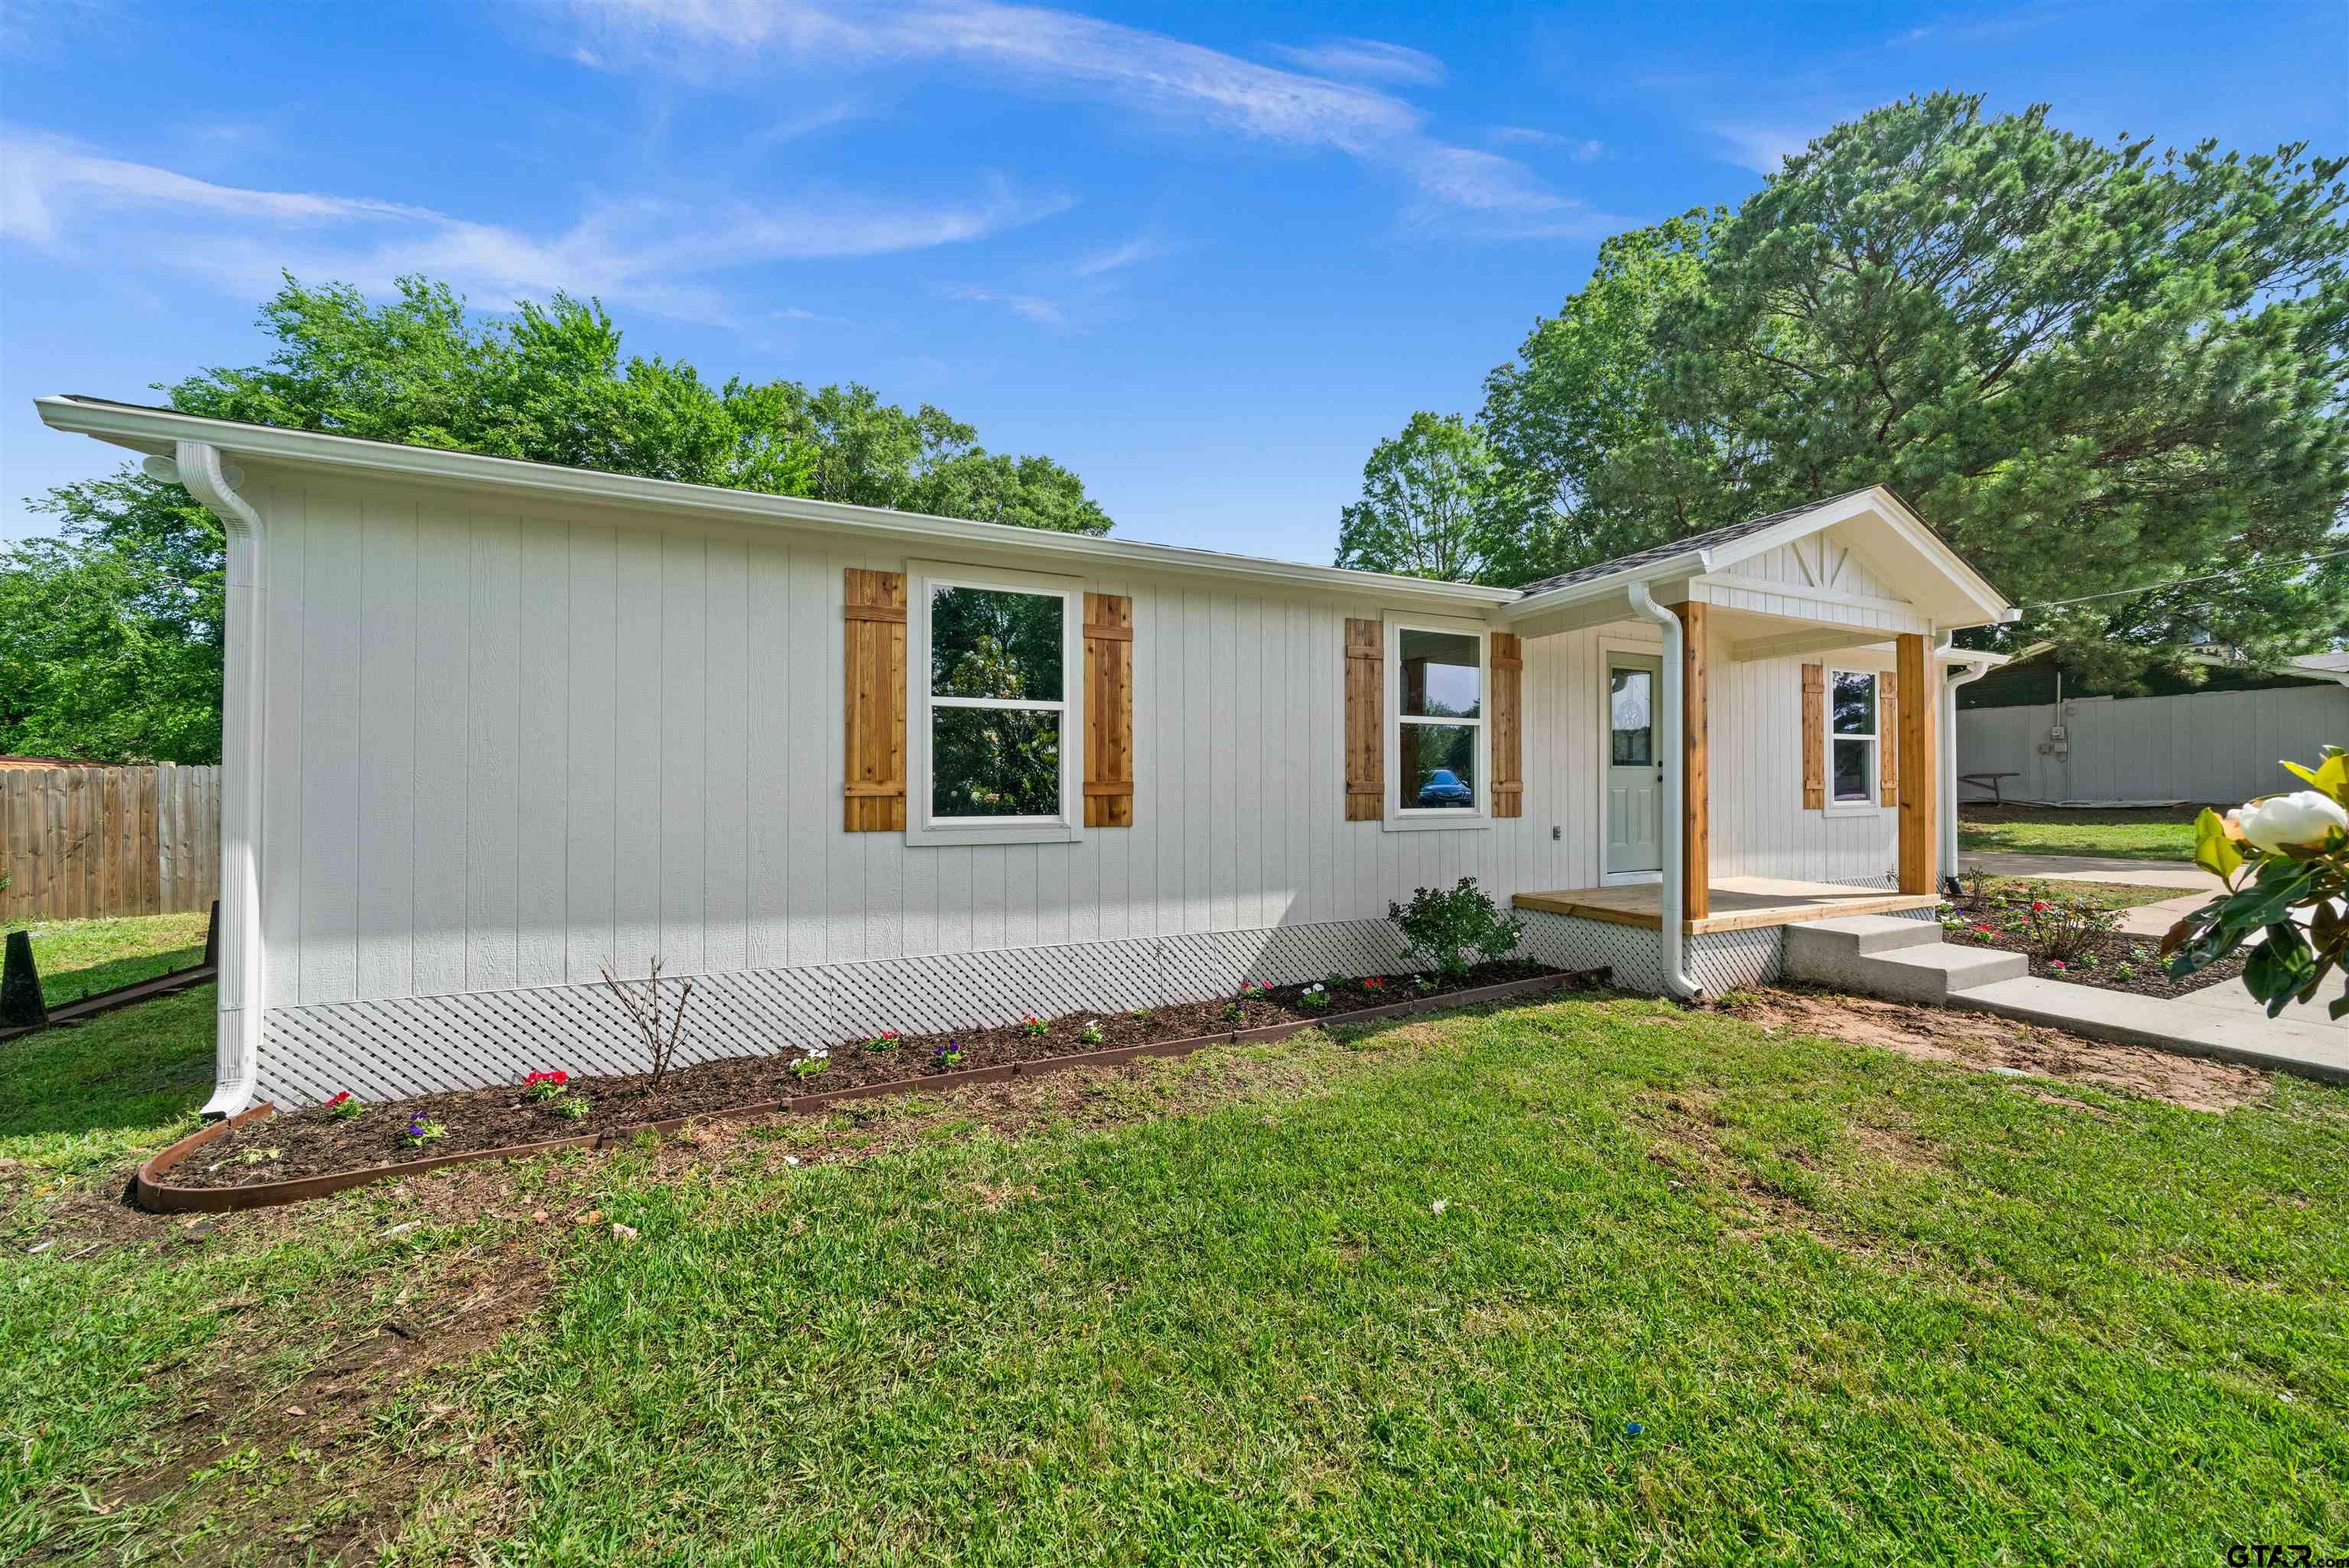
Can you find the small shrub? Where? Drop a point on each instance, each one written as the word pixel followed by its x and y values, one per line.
pixel 1142 1015
pixel 574 1108
pixel 1033 1026
pixel 1451 930
pixel 1091 1033
pixel 2063 928
pixel 644 1010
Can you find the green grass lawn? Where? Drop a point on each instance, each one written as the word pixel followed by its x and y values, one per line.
pixel 79 957
pixel 1399 1295
pixel 2141 835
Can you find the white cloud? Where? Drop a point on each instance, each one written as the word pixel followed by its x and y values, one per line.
pixel 1583 149
pixel 1364 60
pixel 1117 258
pixel 1027 306
pixel 657 252
pixel 1762 147
pixel 1148 73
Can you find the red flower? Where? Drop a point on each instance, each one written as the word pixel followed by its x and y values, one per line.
pixel 557 1076
pixel 889 1033
pixel 1983 927
pixel 339 1097
pixel 1374 984
pixel 2037 907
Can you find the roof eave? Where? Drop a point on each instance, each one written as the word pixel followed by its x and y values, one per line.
pixel 1690 563
pixel 157 431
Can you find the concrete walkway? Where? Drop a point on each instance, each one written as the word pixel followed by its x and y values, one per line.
pixel 2220 1021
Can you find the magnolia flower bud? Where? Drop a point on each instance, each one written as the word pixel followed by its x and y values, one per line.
pixel 2299 820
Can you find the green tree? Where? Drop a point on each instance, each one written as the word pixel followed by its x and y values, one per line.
pixel 112 633
pixel 1582 388
pixel 2091 368
pixel 1426 496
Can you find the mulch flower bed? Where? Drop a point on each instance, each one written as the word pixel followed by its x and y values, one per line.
pixel 333 1138
pixel 2116 963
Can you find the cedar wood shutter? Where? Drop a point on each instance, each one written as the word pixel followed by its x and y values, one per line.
pixel 1509 737
pixel 1815 738
pixel 1365 696
pixel 1109 711
pixel 876 664
pixel 1888 731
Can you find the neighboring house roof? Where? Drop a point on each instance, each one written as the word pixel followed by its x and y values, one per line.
pixel 1657 554
pixel 145 428
pixel 2322 664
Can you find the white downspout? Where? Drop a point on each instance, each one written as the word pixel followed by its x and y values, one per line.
pixel 1948 719
pixel 197 465
pixel 1670 894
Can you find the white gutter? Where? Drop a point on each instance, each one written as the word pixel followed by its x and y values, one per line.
pixel 1951 679
pixel 198 465
pixel 159 430
pixel 1670 895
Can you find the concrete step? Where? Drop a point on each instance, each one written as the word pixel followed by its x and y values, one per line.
pixel 1852 935
pixel 1935 976
pixel 1902 959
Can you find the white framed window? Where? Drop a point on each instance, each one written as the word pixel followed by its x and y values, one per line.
pixel 1438 750
pixel 994 705
pixel 1852 741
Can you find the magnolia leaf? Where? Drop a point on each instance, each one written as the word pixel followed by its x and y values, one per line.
pixel 2214 851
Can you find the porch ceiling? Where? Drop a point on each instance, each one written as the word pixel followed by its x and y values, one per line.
pixel 1738 903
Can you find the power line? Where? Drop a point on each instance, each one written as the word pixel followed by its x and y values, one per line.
pixel 2182 582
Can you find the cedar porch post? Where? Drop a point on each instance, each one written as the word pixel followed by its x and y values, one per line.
pixel 1919 771
pixel 1696 794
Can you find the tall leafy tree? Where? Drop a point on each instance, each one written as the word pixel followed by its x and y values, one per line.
pixel 1582 388
pixel 111 632
pixel 2091 368
pixel 1427 495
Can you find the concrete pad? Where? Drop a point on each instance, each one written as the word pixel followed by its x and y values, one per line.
pixel 2091 868
pixel 2312 1046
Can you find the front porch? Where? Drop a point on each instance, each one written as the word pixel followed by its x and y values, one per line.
pixel 1732 904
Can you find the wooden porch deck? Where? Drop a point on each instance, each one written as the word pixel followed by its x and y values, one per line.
pixel 1739 904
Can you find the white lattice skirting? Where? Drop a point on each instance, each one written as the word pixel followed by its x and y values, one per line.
pixel 390 1048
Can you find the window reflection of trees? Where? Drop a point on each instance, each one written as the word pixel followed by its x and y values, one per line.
pixel 1004 647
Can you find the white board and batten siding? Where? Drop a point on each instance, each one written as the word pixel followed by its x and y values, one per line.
pixel 1759 825
pixel 506 748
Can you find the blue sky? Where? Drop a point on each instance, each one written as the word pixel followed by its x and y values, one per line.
pixel 1205 255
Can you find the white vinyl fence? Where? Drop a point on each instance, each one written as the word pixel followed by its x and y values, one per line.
pixel 2208 747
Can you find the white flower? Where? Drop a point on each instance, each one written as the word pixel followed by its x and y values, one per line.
pixel 2298 820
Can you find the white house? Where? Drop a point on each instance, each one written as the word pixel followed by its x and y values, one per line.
pixel 491 725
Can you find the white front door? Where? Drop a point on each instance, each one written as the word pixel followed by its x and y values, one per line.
pixel 1635 773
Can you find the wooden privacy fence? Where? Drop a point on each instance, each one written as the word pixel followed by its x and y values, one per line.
pixel 82 842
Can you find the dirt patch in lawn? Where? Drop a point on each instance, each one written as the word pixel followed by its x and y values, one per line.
pixel 1986 1040
pixel 316 1140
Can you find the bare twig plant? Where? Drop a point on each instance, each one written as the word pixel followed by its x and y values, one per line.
pixel 645 1013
